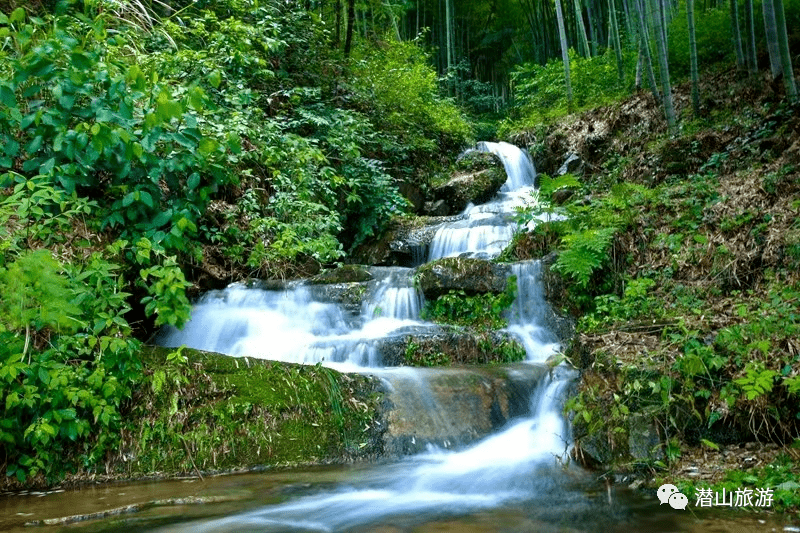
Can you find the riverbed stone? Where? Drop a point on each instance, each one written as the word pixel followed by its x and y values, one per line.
pixel 473 276
pixel 474 187
pixel 404 243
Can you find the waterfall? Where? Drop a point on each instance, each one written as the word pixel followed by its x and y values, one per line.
pixel 519 169
pixel 515 464
pixel 485 230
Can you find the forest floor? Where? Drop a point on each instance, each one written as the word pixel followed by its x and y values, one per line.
pixel 695 319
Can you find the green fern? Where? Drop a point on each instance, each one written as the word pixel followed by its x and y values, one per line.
pixel 548 185
pixel 585 252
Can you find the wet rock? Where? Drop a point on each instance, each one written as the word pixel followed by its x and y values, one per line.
pixel 594 450
pixel 562 195
pixel 432 346
pixel 342 274
pixel 413 194
pixel 349 295
pixel 559 321
pixel 437 208
pixel 473 276
pixel 644 442
pixel 404 243
pixel 473 187
pixel 453 406
pixel 571 165
pixel 478 177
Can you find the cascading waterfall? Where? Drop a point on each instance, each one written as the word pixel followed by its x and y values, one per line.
pixel 291 325
pixel 485 230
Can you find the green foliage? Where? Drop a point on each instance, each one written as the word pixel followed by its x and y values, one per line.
pixel 712 31
pixel 483 311
pixel 63 378
pixel 36 296
pixel 585 252
pixel 398 86
pixel 541 94
pixel 781 476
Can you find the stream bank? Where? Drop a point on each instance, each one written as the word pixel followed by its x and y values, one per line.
pixel 687 322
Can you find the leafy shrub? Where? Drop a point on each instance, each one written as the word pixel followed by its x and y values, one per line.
pixel 712 31
pixel 397 88
pixel 483 311
pixel 540 92
pixel 63 376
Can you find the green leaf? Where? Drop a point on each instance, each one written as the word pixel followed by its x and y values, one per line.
pixel 7 96
pixel 80 61
pixel 146 198
pixel 193 181
pixel 18 15
pixel 162 218
pixel 215 78
pixel 47 167
pixel 207 146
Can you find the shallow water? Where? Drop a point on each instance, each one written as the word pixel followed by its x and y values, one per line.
pixel 557 499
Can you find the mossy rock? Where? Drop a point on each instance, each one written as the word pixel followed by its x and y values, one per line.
pixel 476 160
pixel 475 186
pixel 207 412
pixel 342 274
pixel 473 276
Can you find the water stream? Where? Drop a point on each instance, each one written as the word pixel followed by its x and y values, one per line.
pixel 518 479
pixel 292 325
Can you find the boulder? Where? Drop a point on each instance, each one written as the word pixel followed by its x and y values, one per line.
pixel 438 208
pixel 473 276
pixel 453 406
pixel 342 274
pixel 442 346
pixel 571 165
pixel 405 243
pixel 478 177
pixel 473 187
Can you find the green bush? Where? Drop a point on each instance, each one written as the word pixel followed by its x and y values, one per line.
pixel 398 89
pixel 540 91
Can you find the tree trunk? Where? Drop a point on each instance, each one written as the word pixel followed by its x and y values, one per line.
pixel 783 46
pixel 562 35
pixel 614 27
pixel 663 63
pixel 580 28
pixel 752 62
pixel 736 35
pixel 351 21
pixel 644 49
pixel 771 30
pixel 693 59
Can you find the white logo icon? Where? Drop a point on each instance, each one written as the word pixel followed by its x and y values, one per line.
pixel 678 501
pixel 668 493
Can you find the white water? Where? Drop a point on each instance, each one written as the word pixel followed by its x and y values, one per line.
pixel 292 326
pixel 512 466
pixel 487 229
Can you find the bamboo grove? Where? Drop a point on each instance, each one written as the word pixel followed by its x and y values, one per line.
pixel 483 46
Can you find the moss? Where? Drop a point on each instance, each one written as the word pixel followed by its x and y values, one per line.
pixel 343 274
pixel 207 412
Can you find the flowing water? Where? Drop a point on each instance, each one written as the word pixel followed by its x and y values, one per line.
pixel 518 479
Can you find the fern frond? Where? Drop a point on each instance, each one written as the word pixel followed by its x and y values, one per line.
pixel 585 252
pixel 548 185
